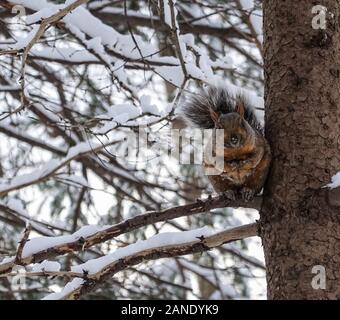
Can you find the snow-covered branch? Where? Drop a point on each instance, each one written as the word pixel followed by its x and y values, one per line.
pixel 163 245
pixel 42 248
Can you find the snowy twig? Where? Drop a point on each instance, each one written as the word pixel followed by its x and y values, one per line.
pixel 45 23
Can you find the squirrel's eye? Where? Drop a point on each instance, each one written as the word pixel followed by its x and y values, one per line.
pixel 233 139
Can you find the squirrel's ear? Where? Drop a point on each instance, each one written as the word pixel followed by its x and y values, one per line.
pixel 240 108
pixel 214 115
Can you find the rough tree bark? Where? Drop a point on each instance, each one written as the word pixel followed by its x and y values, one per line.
pixel 300 220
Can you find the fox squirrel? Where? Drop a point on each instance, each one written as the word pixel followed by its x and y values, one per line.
pixel 246 152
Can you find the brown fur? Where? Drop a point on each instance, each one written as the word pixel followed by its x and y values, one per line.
pixel 245 165
pixel 246 152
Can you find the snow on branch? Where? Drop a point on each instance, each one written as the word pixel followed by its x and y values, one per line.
pixel 335 181
pixel 334 190
pixel 36 33
pixel 42 248
pixel 113 49
pixel 163 245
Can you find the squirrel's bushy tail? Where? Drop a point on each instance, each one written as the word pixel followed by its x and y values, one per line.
pixel 196 109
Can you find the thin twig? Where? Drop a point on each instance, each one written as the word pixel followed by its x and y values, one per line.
pixel 23 241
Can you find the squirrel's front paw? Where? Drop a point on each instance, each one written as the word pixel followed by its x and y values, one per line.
pixel 230 195
pixel 247 194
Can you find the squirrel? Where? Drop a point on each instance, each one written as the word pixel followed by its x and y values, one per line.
pixel 246 152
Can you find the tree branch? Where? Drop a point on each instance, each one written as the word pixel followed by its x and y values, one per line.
pixel 114 18
pixel 187 247
pixel 22 244
pixel 129 225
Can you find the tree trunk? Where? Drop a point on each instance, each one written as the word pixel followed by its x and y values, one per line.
pixel 300 220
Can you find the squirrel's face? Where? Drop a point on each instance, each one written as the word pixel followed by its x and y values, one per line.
pixel 235 129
